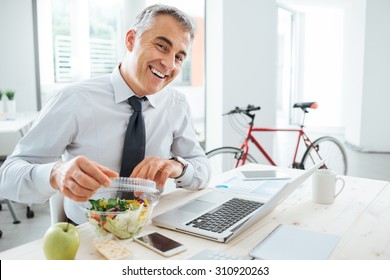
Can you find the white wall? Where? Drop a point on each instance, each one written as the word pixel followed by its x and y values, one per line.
pixel 375 130
pixel 17 63
pixel 248 55
pixel 368 72
pixel 355 17
pixel 214 76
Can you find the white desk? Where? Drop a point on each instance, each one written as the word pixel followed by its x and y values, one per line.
pixel 360 215
pixel 20 124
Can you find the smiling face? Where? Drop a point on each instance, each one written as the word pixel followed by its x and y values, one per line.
pixel 155 57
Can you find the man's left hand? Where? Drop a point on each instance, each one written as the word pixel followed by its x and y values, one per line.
pixel 158 170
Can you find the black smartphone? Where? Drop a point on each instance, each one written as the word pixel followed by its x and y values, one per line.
pixel 161 244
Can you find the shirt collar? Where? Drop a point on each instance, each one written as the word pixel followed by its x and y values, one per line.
pixel 123 92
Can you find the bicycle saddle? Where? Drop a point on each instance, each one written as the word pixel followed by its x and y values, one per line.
pixel 305 105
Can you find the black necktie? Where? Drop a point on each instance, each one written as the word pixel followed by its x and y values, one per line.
pixel 134 146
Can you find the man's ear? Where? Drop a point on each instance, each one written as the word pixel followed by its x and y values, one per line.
pixel 130 39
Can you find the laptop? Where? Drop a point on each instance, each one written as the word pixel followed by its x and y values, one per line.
pixel 221 216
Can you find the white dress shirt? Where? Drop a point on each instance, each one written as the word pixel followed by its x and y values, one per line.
pixel 90 118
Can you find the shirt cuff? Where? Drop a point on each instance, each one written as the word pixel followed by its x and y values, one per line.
pixel 185 181
pixel 41 178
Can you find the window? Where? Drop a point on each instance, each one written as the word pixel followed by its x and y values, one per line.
pixel 310 64
pixel 80 37
pixel 99 28
pixel 286 65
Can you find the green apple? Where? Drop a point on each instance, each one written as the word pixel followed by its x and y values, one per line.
pixel 61 242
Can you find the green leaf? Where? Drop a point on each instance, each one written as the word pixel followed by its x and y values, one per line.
pixel 95 205
pixel 112 202
pixel 10 94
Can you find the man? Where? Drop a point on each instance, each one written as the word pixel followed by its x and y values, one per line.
pixel 76 143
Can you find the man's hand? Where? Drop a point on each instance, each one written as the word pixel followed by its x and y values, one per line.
pixel 158 170
pixel 79 178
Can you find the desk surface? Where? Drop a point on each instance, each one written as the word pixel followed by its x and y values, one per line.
pixel 19 123
pixel 360 216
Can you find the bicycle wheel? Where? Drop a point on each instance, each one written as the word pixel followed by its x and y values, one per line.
pixel 331 150
pixel 225 158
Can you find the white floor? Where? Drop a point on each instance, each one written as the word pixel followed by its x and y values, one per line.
pixel 369 165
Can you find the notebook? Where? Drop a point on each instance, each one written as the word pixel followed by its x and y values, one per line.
pixel 212 214
pixel 288 242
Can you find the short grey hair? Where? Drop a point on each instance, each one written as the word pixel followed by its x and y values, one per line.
pixel 147 16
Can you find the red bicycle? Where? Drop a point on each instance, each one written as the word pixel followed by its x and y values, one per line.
pixel 326 147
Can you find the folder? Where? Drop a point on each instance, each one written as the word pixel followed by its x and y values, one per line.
pixel 288 242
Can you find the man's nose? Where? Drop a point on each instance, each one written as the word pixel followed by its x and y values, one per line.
pixel 169 62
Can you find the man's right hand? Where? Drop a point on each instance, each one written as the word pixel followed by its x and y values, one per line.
pixel 79 178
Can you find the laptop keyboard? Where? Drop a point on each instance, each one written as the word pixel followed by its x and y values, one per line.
pixel 226 215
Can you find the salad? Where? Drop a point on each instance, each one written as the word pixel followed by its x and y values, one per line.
pixel 121 217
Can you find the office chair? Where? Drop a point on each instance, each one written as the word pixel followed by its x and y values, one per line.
pixel 11 209
pixel 57 212
pixel 29 212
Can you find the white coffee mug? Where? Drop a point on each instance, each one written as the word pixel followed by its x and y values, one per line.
pixel 324 186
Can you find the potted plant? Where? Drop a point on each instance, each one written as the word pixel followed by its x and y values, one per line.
pixel 10 94
pixel 11 106
pixel 1 104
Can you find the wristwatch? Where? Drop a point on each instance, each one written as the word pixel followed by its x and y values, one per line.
pixel 183 162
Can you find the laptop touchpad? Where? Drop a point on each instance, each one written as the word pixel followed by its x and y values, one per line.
pixel 197 206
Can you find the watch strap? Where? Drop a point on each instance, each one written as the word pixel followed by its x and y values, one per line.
pixel 183 162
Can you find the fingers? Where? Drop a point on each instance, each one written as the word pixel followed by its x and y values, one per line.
pixel 162 176
pixel 79 178
pixel 108 173
pixel 75 193
pixel 96 174
pixel 147 168
pixel 157 169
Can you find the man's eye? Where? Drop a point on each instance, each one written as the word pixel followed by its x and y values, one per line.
pixel 162 47
pixel 179 58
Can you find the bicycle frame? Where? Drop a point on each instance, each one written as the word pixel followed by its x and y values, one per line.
pixel 249 137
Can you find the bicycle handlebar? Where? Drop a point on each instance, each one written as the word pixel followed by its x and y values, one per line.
pixel 238 110
pixel 246 111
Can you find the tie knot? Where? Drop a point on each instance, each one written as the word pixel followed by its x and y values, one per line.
pixel 135 102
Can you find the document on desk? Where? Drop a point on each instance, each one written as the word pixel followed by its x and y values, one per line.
pixel 288 242
pixel 260 188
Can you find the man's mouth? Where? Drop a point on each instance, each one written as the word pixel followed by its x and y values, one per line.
pixel 157 73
